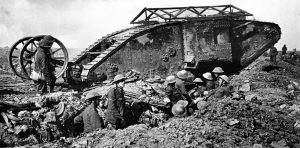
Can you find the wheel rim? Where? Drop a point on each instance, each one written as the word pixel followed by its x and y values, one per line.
pixel 58 53
pixel 13 57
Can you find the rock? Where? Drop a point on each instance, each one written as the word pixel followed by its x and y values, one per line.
pixel 297 124
pixel 233 121
pixel 16 99
pixel 296 84
pixel 257 146
pixel 290 87
pixel 250 97
pixel 295 107
pixel 245 87
pixel 279 144
pixel 282 106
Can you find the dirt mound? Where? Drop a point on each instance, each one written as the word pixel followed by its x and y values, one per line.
pixel 266 117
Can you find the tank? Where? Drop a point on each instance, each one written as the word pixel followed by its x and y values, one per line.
pixel 170 39
pixel 166 40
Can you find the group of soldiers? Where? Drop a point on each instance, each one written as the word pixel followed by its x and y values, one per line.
pixel 56 118
pixel 178 100
pixel 285 56
pixel 185 102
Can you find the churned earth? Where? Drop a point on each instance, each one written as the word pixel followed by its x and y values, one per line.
pixel 265 114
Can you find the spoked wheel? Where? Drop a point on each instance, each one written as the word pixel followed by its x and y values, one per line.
pixel 13 57
pixel 58 52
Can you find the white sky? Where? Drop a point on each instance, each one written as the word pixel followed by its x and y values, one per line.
pixel 79 23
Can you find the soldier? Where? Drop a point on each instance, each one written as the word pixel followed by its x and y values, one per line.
pixel 223 89
pixel 199 89
pixel 284 49
pixel 209 83
pixel 217 72
pixel 173 93
pixel 91 119
pixel 294 56
pixel 180 84
pixel 273 54
pixel 44 66
pixel 116 104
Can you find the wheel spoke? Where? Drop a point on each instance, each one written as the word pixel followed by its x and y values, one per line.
pixel 58 58
pixel 14 57
pixel 27 59
pixel 34 45
pixel 58 62
pixel 56 50
pixel 32 48
pixel 30 68
pixel 28 51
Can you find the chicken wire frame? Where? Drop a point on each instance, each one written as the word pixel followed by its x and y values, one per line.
pixel 156 15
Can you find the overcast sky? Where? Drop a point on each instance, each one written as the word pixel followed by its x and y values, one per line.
pixel 79 23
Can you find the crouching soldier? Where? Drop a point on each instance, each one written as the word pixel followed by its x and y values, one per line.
pixel 223 89
pixel 209 81
pixel 198 89
pixel 90 118
pixel 114 114
pixel 173 94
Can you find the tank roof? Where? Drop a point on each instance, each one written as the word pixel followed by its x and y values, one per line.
pixel 156 15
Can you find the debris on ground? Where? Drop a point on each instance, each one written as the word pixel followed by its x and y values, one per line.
pixel 263 113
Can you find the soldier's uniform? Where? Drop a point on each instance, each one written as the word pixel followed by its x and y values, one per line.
pixel 174 94
pixel 273 54
pixel 115 110
pixel 43 64
pixel 180 84
pixel 210 83
pixel 90 117
pixel 114 114
pixel 284 49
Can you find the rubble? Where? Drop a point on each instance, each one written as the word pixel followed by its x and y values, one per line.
pixel 267 116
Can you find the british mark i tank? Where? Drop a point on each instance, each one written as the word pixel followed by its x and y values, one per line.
pixel 165 40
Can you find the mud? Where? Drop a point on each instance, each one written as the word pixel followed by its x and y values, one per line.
pixel 268 115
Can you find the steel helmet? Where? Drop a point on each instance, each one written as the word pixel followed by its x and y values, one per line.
pixel 182 74
pixel 91 95
pixel 218 70
pixel 225 78
pixel 119 78
pixel 170 79
pixel 184 103
pixel 201 105
pixel 197 80
pixel 47 41
pixel 179 110
pixel 207 76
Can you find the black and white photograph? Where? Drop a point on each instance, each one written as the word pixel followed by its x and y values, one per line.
pixel 150 73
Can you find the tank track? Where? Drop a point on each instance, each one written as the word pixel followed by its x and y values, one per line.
pixel 120 38
pixel 92 47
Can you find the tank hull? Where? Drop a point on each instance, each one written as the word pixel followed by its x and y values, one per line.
pixel 197 46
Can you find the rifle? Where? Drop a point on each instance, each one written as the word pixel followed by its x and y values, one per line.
pixel 4 106
pixel 131 97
